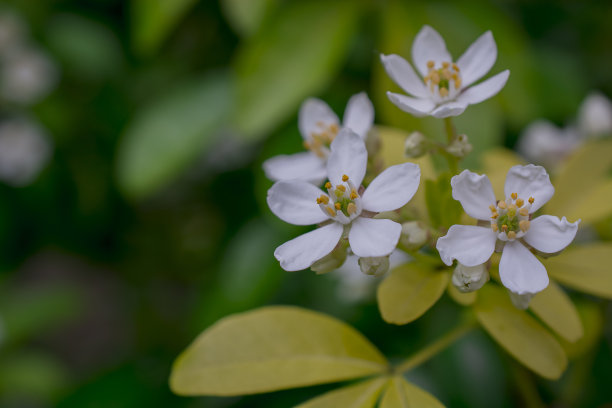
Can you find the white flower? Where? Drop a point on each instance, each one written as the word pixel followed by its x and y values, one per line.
pixel 345 211
pixel 319 125
pixel 444 88
pixel 595 115
pixel 527 188
pixel 27 75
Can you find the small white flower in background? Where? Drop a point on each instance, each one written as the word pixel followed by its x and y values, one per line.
pixel 319 125
pixel 544 143
pixel 445 88
pixel 345 210
pixel 24 150
pixel 527 188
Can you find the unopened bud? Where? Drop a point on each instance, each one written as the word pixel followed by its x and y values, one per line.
pixel 331 261
pixel 375 266
pixel 520 301
pixel 415 145
pixel 413 235
pixel 470 278
pixel 460 147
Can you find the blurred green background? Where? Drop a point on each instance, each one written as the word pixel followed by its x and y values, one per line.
pixel 145 221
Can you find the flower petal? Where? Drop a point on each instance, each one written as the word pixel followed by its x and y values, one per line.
pixel 314 116
pixel 428 45
pixel 417 107
pixel 402 73
pixel 520 271
pixel 303 251
pixel 348 156
pixel 475 193
pixel 529 181
pixel 295 202
pixel 550 234
pixel 478 59
pixel 485 89
pixel 374 237
pixel 449 109
pixel 303 166
pixel 469 244
pixel 392 188
pixel 359 114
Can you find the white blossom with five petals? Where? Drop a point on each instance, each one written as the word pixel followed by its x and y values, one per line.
pixel 527 189
pixel 319 125
pixel 344 211
pixel 444 88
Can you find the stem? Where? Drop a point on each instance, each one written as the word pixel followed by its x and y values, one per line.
pixel 434 348
pixel 450 130
pixel 451 135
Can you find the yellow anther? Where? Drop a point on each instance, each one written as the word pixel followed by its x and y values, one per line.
pixel 514 196
pixel 531 200
pixel 494 215
pixel 494 227
pixel 334 128
pixel 457 83
pixel 443 92
pixel 520 202
pixel 524 225
pixel 328 185
pixel 354 195
pixel 511 235
pixel 338 206
pixel 492 208
pixel 306 145
pixel 341 187
pixel 454 76
pixel 502 204
pixel 324 199
pixel 435 78
pixel 504 228
pixel 430 64
pixel 331 211
pixel 318 200
pixel 455 67
pixel 446 74
pixel 344 178
pixel 351 208
pixel 524 212
pixel 445 65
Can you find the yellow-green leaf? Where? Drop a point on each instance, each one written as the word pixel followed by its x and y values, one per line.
pixel 409 291
pixel 401 394
pixel 520 334
pixel 592 317
pixel 495 164
pixel 362 395
pixel 273 348
pixel 464 299
pixel 593 205
pixel 586 268
pixel 555 308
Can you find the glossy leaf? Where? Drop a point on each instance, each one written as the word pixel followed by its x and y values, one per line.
pixel 409 291
pixel 555 308
pixel 401 394
pixel 520 334
pixel 291 59
pixel 585 268
pixel 270 349
pixel 171 133
pixel 361 395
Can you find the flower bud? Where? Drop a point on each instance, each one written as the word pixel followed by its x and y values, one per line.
pixel 331 261
pixel 413 235
pixel 460 147
pixel 520 301
pixel 375 266
pixel 415 145
pixel 470 278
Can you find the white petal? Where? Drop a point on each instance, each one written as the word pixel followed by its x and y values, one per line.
pixel 315 114
pixel 373 237
pixel 545 143
pixel 475 194
pixel 428 46
pixel 392 188
pixel 520 271
pixel 529 181
pixel 295 202
pixel 478 59
pixel 550 234
pixel 303 166
pixel 348 156
pixel 484 90
pixel 401 73
pixel 359 114
pixel 468 244
pixel 417 107
pixel 449 109
pixel 303 251
pixel 595 115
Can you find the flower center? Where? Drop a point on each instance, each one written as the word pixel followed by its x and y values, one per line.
pixel 444 82
pixel 343 203
pixel 510 218
pixel 320 141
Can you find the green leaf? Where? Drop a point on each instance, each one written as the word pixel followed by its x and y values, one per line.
pixel 592 318
pixel 362 395
pixel 273 348
pixel 585 268
pixel 409 291
pixel 37 375
pixel 246 16
pixel 464 299
pixel 444 211
pixel 520 334
pixel 555 308
pixel 290 59
pixel 401 394
pixel 496 163
pixel 153 20
pixel 171 133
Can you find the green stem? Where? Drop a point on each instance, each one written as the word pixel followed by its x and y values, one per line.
pixel 434 348
pixel 451 135
pixel 450 130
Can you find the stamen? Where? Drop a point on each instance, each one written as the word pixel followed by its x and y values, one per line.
pixel 514 196
pixel 520 202
pixel 502 205
pixel 511 235
pixel 338 206
pixel 445 65
pixel 524 225
pixel 353 195
pixel 341 187
pixel 443 92
pixel 334 128
pixel 455 67
pixel 531 200
pixel 504 228
pixel 351 208
pixel 306 145
pixel 331 211
pixel 512 210
pixel 494 227
pixel 323 199
pixel 328 185
pixel 524 212
pixel 492 208
pixel 494 215
pixel 345 178
pixel 430 64
pixel 457 83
